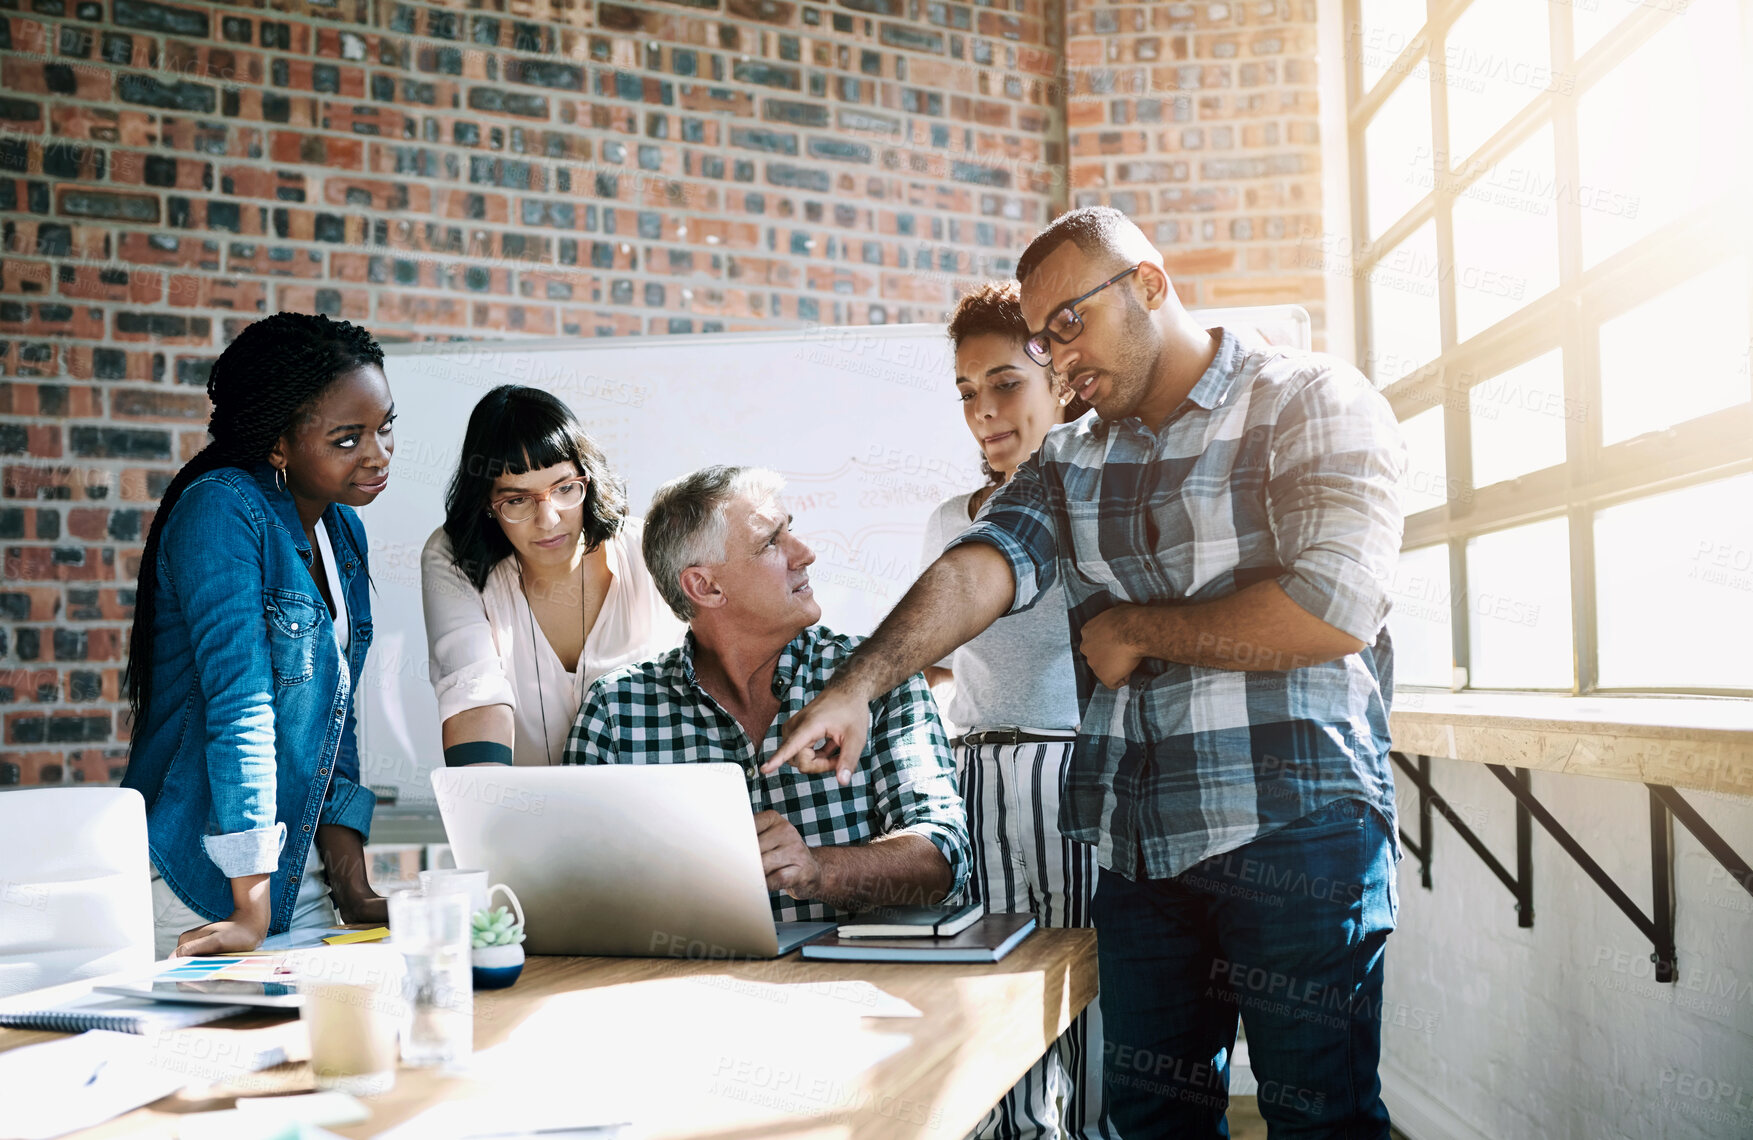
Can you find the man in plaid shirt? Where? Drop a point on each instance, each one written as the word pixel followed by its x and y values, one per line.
pixel 720 548
pixel 1225 526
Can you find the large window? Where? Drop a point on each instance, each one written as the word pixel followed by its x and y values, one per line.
pixel 1554 288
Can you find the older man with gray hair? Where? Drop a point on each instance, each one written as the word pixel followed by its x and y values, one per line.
pixel 719 545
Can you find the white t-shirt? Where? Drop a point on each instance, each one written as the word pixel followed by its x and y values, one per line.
pixel 315 885
pixel 343 628
pixel 486 648
pixel 1017 673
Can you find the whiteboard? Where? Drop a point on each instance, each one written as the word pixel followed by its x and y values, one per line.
pixel 862 422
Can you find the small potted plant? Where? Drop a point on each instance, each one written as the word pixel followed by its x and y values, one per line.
pixel 496 945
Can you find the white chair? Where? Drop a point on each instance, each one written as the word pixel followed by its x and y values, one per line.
pixel 75 886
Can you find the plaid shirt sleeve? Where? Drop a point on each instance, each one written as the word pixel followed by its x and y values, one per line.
pixel 1332 500
pixel 1019 522
pixel 594 737
pixel 913 778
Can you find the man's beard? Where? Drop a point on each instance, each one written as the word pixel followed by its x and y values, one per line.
pixel 1129 378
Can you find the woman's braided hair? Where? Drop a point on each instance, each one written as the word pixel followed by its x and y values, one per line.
pixel 260 385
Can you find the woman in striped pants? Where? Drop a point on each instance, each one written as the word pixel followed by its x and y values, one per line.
pixel 1016 701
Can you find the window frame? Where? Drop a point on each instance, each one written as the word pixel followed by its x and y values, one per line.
pixel 1592 476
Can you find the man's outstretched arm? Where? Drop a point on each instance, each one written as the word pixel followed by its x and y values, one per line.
pixel 959 595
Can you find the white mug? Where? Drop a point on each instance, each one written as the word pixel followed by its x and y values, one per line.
pixel 457 880
pixel 462 880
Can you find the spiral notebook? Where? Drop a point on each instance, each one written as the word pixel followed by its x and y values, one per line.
pixel 118 1014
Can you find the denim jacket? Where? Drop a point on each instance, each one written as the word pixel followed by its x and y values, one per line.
pixel 247 741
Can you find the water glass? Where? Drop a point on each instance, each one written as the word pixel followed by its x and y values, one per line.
pixel 432 933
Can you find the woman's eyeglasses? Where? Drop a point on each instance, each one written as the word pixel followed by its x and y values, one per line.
pixel 522 508
pixel 1064 325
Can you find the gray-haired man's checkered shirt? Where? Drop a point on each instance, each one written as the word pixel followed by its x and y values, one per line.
pixel 657 713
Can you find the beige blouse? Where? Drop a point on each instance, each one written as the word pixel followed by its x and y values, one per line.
pixel 485 648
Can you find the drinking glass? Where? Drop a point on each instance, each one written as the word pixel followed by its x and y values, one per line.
pixel 353 1007
pixel 432 933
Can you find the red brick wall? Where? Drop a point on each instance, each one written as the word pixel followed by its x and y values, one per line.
pixel 1199 121
pixel 170 172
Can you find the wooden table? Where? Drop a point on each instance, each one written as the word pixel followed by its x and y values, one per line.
pixel 730 1051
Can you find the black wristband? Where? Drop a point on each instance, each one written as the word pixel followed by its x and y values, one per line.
pixel 476 752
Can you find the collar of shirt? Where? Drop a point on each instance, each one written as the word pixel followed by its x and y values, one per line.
pixel 797 651
pixel 1209 392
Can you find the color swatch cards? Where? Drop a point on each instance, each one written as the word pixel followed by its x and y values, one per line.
pixel 259 980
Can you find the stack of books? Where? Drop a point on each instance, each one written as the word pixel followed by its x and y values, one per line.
pixel 924 934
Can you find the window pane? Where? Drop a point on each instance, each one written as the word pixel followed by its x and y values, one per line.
pixel 1420 623
pixel 1518 420
pixel 1397 154
pixel 1703 371
pixel 1496 58
pixel 1405 322
pixel 1506 237
pixel 1426 481
pixel 1383 30
pixel 1664 131
pixel 1674 588
pixel 1519 607
pixel 1592 19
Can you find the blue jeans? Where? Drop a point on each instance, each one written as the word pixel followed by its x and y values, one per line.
pixel 1288 933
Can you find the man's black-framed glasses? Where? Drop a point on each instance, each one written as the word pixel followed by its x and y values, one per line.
pixel 1064 325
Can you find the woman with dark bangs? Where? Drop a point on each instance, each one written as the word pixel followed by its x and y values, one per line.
pixel 534 586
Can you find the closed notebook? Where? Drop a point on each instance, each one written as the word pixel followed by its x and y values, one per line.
pixel 988 940
pixel 913 921
pixel 118 1014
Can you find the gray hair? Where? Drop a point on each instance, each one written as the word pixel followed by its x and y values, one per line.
pixel 686 525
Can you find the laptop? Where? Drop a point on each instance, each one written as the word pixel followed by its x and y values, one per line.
pixel 630 860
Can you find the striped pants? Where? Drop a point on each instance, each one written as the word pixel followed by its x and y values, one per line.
pixel 1022 863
